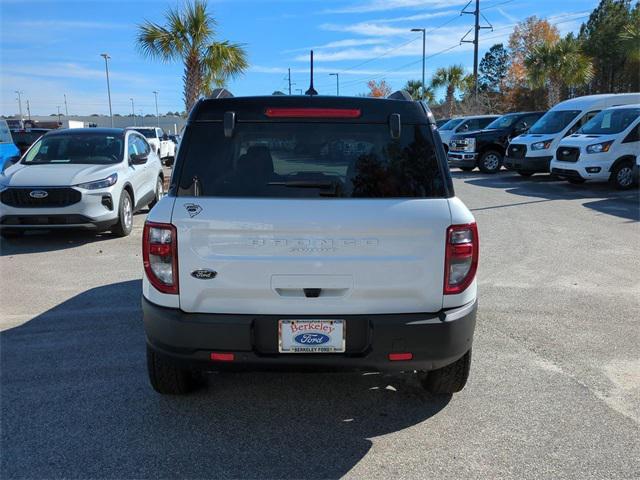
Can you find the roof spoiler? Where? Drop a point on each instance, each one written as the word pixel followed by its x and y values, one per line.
pixel 401 95
pixel 221 93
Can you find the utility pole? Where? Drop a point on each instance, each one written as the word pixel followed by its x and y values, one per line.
pixel 289 81
pixel 66 108
pixel 28 111
pixel 106 67
pixel 58 107
pixel 141 118
pixel 424 51
pixel 476 28
pixel 157 115
pixel 337 75
pixel 19 102
pixel 133 112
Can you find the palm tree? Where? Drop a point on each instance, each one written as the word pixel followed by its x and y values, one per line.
pixel 630 38
pixel 452 78
pixel 189 36
pixel 414 88
pixel 552 65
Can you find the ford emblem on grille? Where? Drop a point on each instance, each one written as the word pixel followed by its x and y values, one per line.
pixel 204 274
pixel 38 194
pixel 311 338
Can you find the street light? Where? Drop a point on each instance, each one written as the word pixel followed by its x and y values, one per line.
pixel 66 107
pixel 106 67
pixel 424 38
pixel 133 112
pixel 58 107
pixel 157 116
pixel 337 75
pixel 19 93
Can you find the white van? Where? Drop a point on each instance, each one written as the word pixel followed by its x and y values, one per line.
pixel 462 125
pixel 533 151
pixel 604 149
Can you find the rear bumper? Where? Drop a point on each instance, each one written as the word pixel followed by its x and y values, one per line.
pixel 434 339
pixel 528 164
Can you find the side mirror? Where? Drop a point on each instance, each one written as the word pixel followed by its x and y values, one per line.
pixel 138 158
pixel 395 125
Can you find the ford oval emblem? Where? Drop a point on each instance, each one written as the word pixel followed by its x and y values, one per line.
pixel 204 274
pixel 311 338
pixel 38 194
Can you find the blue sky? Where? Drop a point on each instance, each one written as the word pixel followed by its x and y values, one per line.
pixel 50 48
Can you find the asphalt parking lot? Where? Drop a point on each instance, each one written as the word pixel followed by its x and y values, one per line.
pixel 553 392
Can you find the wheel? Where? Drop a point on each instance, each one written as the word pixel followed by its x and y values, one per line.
pixel 9 234
pixel 159 192
pixel 125 216
pixel 525 174
pixel 490 161
pixel 166 377
pixel 449 379
pixel 622 175
pixel 576 181
pixel 467 169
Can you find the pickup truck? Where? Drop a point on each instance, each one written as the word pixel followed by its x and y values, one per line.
pixel 160 143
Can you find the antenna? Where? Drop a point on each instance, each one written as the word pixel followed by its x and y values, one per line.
pixel 311 91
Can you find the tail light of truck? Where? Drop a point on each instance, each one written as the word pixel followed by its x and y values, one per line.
pixel 461 259
pixel 160 256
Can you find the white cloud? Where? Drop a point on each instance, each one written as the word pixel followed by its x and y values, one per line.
pixel 419 16
pixel 350 42
pixel 385 5
pixel 324 70
pixel 71 71
pixel 64 24
pixel 366 28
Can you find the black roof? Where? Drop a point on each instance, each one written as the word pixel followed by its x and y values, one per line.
pixel 252 109
pixel 99 131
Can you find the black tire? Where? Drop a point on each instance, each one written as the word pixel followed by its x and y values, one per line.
pixel 576 181
pixel 622 175
pixel 525 174
pixel 449 379
pixel 125 216
pixel 166 377
pixel 467 169
pixel 10 234
pixel 159 192
pixel 490 161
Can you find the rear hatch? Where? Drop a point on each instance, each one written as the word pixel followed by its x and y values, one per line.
pixel 301 216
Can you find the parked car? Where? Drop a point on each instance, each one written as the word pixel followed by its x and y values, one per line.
pixel 93 178
pixel 160 143
pixel 605 148
pixel 485 148
pixel 462 125
pixel 532 152
pixel 441 122
pixel 9 152
pixel 25 138
pixel 318 232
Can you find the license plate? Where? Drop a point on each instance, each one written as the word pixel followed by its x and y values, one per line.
pixel 311 336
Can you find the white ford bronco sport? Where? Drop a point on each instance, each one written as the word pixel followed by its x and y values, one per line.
pixel 310 231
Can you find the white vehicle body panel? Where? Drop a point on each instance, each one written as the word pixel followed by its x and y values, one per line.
pixel 587 105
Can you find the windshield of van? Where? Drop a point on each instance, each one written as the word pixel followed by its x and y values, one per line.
pixel 610 122
pixel 76 148
pixel 309 160
pixel 451 124
pixel 554 121
pixel 5 134
pixel 504 121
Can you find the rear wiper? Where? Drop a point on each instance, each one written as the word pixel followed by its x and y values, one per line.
pixel 303 184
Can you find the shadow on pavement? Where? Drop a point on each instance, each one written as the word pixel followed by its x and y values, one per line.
pixel 623 204
pixel 76 403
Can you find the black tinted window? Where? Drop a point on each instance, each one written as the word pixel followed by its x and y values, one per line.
pixel 287 160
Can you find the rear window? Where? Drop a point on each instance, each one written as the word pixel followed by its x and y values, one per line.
pixel 309 160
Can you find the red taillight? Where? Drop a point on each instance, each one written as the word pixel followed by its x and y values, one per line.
pixel 160 256
pixel 461 257
pixel 312 112
pixel 223 357
pixel 396 357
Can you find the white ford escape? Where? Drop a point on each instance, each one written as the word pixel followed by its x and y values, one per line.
pixel 91 178
pixel 310 232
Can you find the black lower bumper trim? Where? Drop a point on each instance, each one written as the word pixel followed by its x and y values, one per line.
pixel 434 339
pixel 528 164
pixel 566 173
pixel 54 221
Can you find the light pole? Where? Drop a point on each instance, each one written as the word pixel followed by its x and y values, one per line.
pixel 19 93
pixel 337 75
pixel 28 110
pixel 106 67
pixel 141 118
pixel 58 107
pixel 157 116
pixel 424 40
pixel 133 112
pixel 66 108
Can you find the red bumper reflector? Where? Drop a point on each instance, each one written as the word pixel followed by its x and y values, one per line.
pixel 394 357
pixel 312 112
pixel 223 357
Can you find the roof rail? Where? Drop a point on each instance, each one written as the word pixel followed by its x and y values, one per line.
pixel 401 95
pixel 221 93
